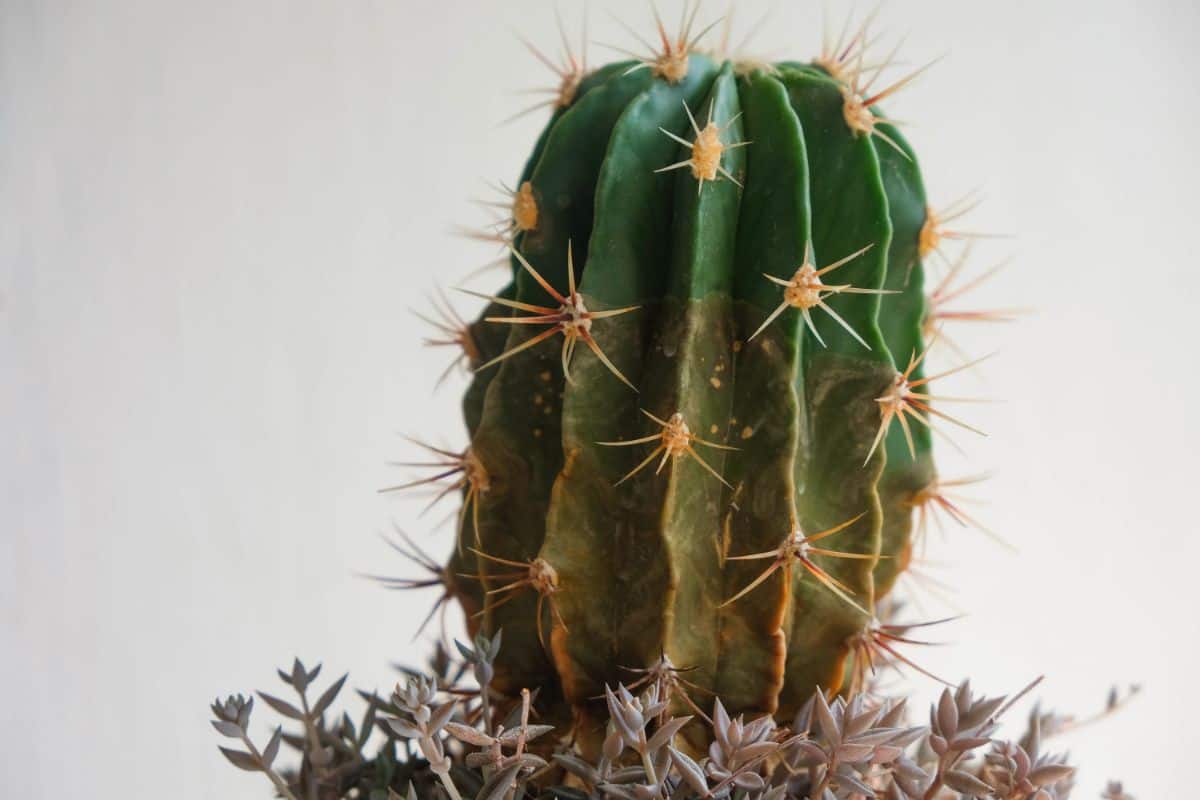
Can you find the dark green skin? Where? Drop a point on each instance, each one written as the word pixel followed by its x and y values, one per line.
pixel 643 567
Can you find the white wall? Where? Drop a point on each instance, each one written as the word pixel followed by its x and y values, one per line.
pixel 214 215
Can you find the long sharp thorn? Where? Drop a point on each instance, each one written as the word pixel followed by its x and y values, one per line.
pixel 768 572
pixel 550 290
pixel 755 556
pixel 679 139
pixel 644 440
pixel 900 84
pixel 651 416
pixel 595 348
pixel 692 452
pixel 506 562
pixel 808 322
pixel 773 316
pixel 641 466
pixel 883 427
pixel 612 313
pixel 912 450
pixel 816 537
pixel 831 583
pixel 536 340
pixel 829 310
pixel 847 259
pixel 508 303
pixel 691 119
pixel 725 172
pixel 949 372
pixel 896 654
pixel 676 165
pixel 570 269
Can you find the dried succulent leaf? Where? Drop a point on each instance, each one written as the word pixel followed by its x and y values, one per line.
pixel 498 785
pixel 947 715
pixel 531 732
pixel 465 733
pixel 666 733
pixel 272 748
pixel 226 728
pixel 690 771
pixel 241 760
pixel 847 779
pixel 282 706
pixel 440 716
pixel 1049 774
pixel 327 697
pixel 829 727
pixel 577 767
pixel 403 729
pixel 966 783
pixel 628 775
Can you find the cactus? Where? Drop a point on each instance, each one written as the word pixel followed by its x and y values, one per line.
pixel 700 459
pixel 725 474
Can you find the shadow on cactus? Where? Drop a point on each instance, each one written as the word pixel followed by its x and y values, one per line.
pixel 700 458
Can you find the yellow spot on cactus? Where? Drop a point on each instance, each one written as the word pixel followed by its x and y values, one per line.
pixel 937 228
pixel 858 104
pixel 737 346
pixel 475 473
pixel 931 234
pixel 571 318
pixel 568 88
pixel 525 209
pixel 671 63
pixel 747 432
pixel 674 440
pixel 706 153
pixel 706 148
pixel 570 70
pixel 545 375
pixel 744 67
pixel 671 67
pixel 806 291
pixel 798 548
pixel 838 57
pixel 537 575
pixel 906 398
pixel 877 642
pixel 458 471
pixel 517 211
pixel 715 381
pixel 543 577
pixel 713 428
pixel 451 330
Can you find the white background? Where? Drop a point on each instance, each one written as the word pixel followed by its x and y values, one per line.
pixel 214 217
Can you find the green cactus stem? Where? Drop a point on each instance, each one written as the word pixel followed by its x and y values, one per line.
pixel 699 422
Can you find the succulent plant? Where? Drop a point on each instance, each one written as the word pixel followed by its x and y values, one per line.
pixel 705 506
pixel 438 742
pixel 729 474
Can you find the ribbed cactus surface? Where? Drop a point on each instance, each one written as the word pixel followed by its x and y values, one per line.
pixel 715 308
